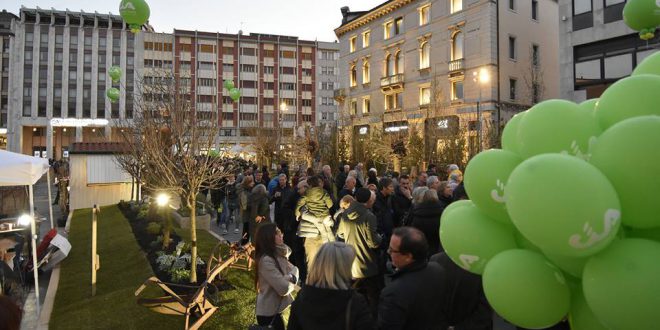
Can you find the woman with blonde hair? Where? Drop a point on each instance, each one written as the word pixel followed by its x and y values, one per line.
pixel 327 301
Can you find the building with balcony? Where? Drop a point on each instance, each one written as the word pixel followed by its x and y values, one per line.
pixel 5 37
pixel 285 83
pixel 445 64
pixel 596 48
pixel 58 62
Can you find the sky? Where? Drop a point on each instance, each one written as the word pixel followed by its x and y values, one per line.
pixel 306 19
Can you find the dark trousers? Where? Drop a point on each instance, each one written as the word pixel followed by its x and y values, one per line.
pixel 246 233
pixel 370 287
pixel 277 322
pixel 312 245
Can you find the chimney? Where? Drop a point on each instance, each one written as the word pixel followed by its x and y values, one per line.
pixel 344 13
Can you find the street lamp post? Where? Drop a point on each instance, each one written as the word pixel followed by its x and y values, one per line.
pixel 482 77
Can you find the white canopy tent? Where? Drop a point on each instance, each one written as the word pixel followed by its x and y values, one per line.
pixel 23 170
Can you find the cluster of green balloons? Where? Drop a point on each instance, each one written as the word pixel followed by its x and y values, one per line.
pixel 564 220
pixel 115 74
pixel 642 16
pixel 135 13
pixel 234 92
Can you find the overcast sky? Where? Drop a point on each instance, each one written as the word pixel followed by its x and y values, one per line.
pixel 307 19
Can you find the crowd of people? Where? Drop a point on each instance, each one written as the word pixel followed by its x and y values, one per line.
pixel 364 248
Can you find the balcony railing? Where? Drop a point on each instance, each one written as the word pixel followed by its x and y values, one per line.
pixel 339 94
pixel 392 83
pixel 457 65
pixel 391 80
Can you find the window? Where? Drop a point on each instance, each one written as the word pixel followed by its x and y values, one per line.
pixel 512 4
pixel 457 90
pixel 206 66
pixel 536 92
pixel 424 15
pixel 353 107
pixel 287 54
pixel 227 50
pixel 268 53
pixel 366 38
pixel 393 28
pixel 425 95
pixel 366 105
pixel 398 58
pixel 227 67
pixel 202 48
pixel 306 103
pixel 307 72
pixel 366 76
pixel 456 5
pixel 269 85
pixel 353 75
pixel 29 37
pixel 536 61
pixel 387 30
pixel 248 51
pixel 581 7
pixel 269 69
pixel 288 86
pixel 393 101
pixel 327 86
pixel 248 68
pixel 425 55
pixel 512 89
pixel 512 47
pixel 457 46
pixel 352 43
pixel 287 70
pixel 535 9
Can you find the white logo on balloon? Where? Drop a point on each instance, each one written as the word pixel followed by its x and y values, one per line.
pixel 575 148
pixel 467 260
pixel 495 193
pixel 127 6
pixel 609 221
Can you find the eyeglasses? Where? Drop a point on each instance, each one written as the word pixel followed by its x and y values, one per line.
pixel 390 251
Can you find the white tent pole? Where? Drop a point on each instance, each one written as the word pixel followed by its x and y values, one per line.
pixel 50 198
pixel 34 247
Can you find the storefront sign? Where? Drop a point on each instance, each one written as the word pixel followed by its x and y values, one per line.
pixel 75 122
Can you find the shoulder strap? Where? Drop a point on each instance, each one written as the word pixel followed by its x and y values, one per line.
pixel 348 313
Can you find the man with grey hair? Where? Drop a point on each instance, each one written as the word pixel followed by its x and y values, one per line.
pixel 359 171
pixel 326 176
pixel 433 182
pixel 348 189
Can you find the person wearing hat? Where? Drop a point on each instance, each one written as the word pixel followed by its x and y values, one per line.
pixel 357 228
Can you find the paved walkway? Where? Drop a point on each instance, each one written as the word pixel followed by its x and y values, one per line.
pixel 41 202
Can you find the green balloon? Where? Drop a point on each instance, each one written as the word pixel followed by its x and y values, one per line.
pixel 589 106
pixel 135 13
pixel 563 205
pixel 621 284
pixel 652 234
pixel 115 73
pixel 526 289
pixel 650 65
pixel 485 177
pixel 524 243
pixel 641 14
pixel 570 265
pixel 471 239
pixel 510 133
pixel 112 94
pixel 626 153
pixel 556 126
pixel 581 317
pixel 235 94
pixel 229 84
pixel 629 97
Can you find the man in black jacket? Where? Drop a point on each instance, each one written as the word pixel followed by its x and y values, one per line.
pixel 357 228
pixel 340 179
pixel 402 200
pixel 297 257
pixel 383 210
pixel 348 188
pixel 410 301
pixel 280 193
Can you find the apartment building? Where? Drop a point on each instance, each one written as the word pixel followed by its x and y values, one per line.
pixel 445 64
pixel 285 83
pixel 596 47
pixel 58 80
pixel 327 78
pixel 5 37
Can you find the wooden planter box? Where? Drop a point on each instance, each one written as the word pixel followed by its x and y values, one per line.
pixel 203 221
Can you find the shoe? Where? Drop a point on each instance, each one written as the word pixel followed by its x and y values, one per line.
pixel 236 231
pixel 224 232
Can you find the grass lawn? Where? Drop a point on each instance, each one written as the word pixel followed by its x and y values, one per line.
pixel 123 269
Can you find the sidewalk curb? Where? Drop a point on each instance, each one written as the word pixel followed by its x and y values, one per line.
pixel 218 237
pixel 49 300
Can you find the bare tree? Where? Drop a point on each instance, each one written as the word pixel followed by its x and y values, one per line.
pixel 170 138
pixel 534 79
pixel 267 143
